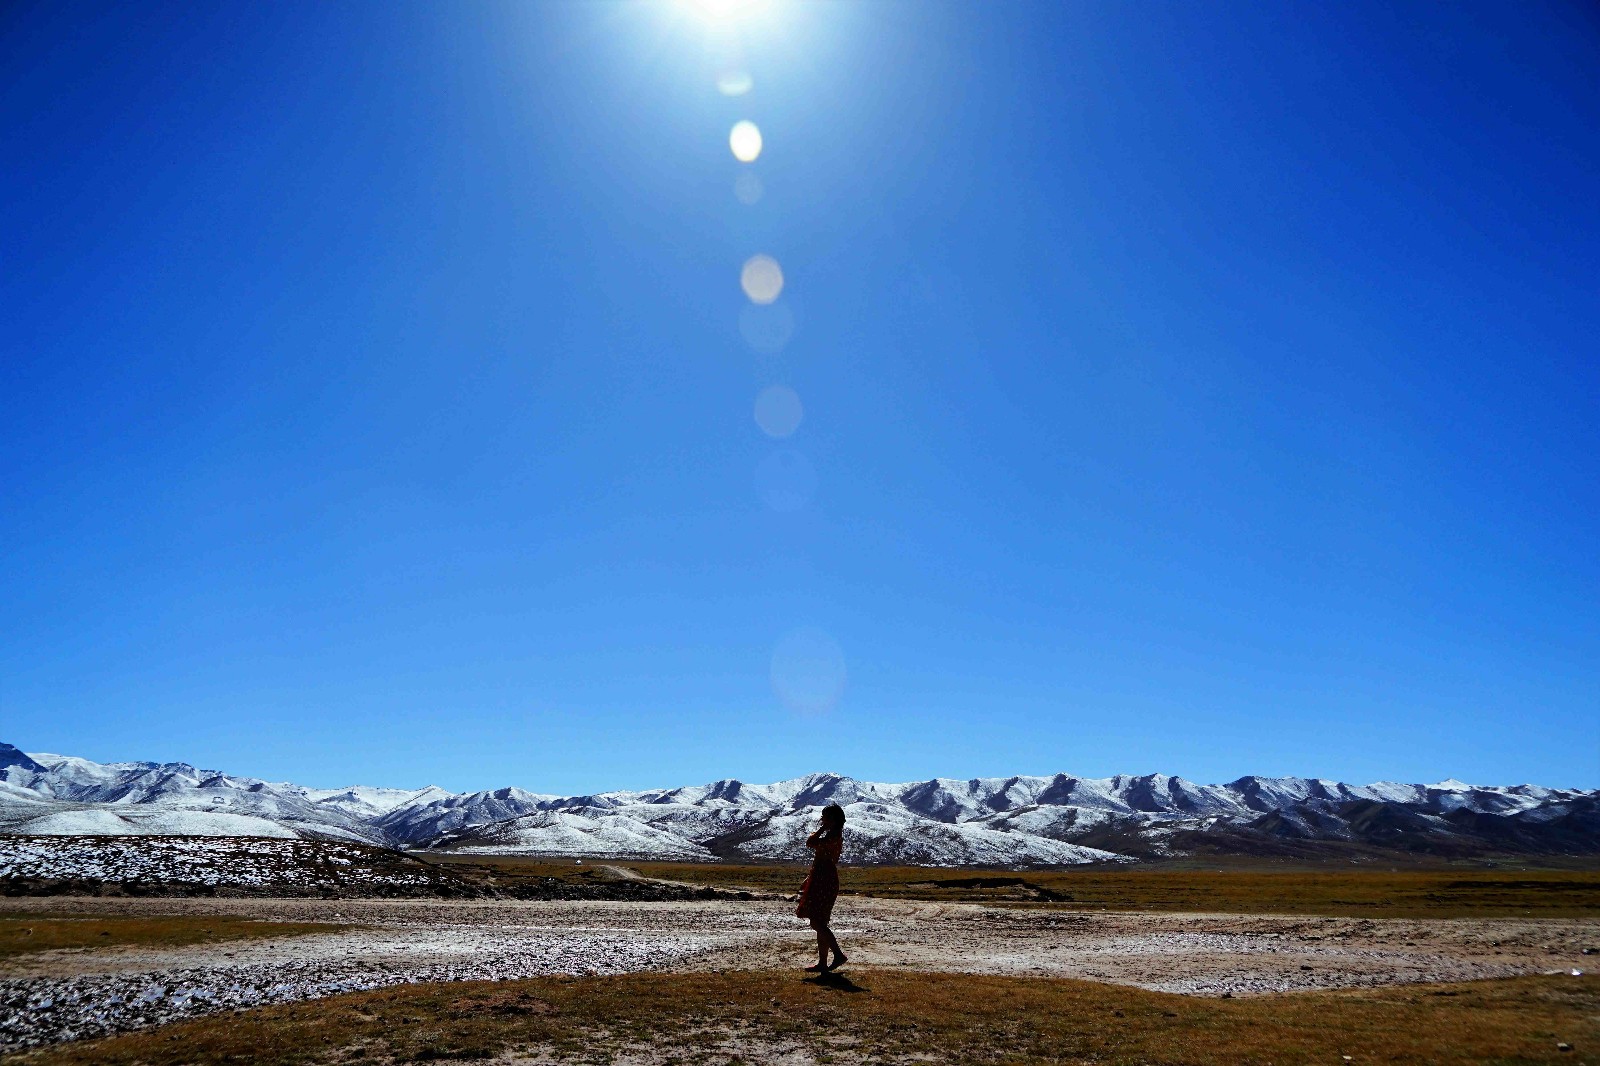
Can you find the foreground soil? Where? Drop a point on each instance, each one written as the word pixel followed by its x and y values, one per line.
pixel 879 1016
pixel 56 997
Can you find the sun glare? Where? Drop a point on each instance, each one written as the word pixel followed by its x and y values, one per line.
pixel 745 140
pixel 721 10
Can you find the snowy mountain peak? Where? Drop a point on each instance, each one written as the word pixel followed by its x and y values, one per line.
pixel 941 821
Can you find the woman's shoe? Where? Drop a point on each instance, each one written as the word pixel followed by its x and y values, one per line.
pixel 816 967
pixel 838 961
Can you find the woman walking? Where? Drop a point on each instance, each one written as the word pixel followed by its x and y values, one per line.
pixel 821 887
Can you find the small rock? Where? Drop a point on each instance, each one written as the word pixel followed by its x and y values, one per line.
pixel 1563 1046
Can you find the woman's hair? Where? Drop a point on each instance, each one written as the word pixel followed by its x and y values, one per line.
pixel 833 816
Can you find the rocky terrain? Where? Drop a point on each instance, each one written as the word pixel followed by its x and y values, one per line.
pixel 61 995
pixel 65 995
pixel 238 866
pixel 272 867
pixel 1013 821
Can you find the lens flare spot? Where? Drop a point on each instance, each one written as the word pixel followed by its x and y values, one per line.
pixel 761 279
pixel 778 411
pixel 747 188
pixel 745 141
pixel 786 481
pixel 808 671
pixel 734 81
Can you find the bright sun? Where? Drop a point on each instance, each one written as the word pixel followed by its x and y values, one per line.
pixel 720 10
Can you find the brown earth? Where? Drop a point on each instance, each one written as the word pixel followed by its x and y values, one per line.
pixel 1272 966
pixel 1202 954
pixel 1243 888
pixel 875 1016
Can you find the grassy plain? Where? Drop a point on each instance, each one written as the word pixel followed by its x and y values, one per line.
pixel 1242 888
pixel 25 933
pixel 879 1016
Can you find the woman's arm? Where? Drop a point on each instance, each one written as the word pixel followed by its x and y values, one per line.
pixel 811 841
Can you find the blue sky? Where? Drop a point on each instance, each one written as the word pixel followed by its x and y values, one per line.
pixel 1185 389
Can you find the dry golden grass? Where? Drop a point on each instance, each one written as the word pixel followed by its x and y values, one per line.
pixel 880 1016
pixel 1367 893
pixel 22 934
pixel 544 877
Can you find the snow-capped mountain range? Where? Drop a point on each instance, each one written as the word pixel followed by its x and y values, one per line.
pixel 983 821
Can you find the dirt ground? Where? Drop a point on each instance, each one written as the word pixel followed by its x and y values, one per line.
pixel 1197 954
pixel 1194 954
pixel 64 994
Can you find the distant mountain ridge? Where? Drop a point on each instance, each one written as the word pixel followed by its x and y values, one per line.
pixel 1054 820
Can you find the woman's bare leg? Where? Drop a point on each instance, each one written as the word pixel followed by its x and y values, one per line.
pixel 839 957
pixel 822 951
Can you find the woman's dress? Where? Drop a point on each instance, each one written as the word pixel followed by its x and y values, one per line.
pixel 820 889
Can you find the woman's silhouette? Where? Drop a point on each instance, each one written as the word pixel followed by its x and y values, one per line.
pixel 821 886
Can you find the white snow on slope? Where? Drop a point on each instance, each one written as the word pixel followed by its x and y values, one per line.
pixel 160 822
pixel 581 833
pixel 978 821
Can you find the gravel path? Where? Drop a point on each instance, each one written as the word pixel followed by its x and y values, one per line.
pixel 65 995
